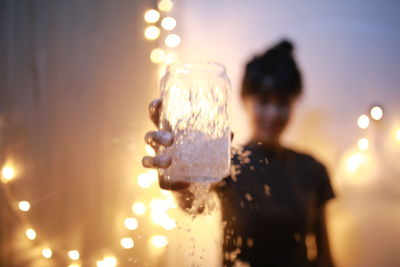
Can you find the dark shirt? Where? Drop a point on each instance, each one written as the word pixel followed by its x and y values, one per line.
pixel 271 205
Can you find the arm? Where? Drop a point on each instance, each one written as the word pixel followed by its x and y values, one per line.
pixel 324 258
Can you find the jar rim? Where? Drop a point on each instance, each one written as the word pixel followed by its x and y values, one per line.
pixel 197 66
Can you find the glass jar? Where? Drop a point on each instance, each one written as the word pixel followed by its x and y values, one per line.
pixel 196 109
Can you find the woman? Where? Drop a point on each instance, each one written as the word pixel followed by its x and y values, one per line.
pixel 277 199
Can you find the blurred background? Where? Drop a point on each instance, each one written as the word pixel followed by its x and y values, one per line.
pixel 76 78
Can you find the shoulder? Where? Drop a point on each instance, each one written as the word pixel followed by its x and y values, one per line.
pixel 305 160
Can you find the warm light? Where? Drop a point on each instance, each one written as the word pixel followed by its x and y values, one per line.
pixel 159 241
pixel 151 16
pixel 74 265
pixel 8 173
pixel 30 234
pixel 169 224
pixel 398 135
pixel 168 23
pixel 165 5
pixel 73 255
pixel 24 205
pixel 152 32
pixel 150 151
pixel 139 208
pixel 127 242
pixel 157 55
pixel 47 253
pixel 107 262
pixel 171 58
pixel 131 223
pixel 376 113
pixel 355 161
pixel 172 40
pixel 363 121
pixel 144 180
pixel 363 144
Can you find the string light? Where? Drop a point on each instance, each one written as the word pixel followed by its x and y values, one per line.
pixel 376 113
pixel 7 173
pixel 151 16
pixel 157 55
pixel 24 205
pixel 168 23
pixel 127 242
pixel 74 254
pixel 30 234
pixel 131 223
pixel 47 253
pixel 172 40
pixel 363 144
pixel 165 5
pixel 363 121
pixel 139 208
pixel 152 32
pixel 159 241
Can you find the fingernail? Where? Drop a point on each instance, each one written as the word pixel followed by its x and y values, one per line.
pixel 147 162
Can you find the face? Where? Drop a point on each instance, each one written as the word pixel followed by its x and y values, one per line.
pixel 269 116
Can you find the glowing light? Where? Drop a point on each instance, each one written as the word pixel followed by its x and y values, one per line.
pixel 169 224
pixel 159 241
pixel 127 242
pixel 376 113
pixel 159 204
pixel 151 32
pixel 151 16
pixel 165 5
pixel 74 265
pixel 108 261
pixel 157 55
pixel 144 180
pixel 363 121
pixel 172 40
pixel 171 58
pixel 139 208
pixel 74 255
pixel 363 144
pixel 8 173
pixel 168 23
pixel 398 135
pixel 131 223
pixel 24 205
pixel 355 161
pixel 47 253
pixel 150 151
pixel 30 234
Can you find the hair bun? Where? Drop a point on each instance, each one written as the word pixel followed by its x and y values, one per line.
pixel 283 48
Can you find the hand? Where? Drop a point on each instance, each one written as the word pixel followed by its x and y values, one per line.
pixel 155 139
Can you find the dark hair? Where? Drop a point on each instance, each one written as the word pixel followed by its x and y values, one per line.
pixel 274 72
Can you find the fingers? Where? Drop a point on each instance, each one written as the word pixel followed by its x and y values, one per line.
pixel 157 138
pixel 159 161
pixel 154 111
pixel 172 185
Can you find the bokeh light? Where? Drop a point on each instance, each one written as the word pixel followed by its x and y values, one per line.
pixel 139 208
pixel 30 234
pixel 74 254
pixel 376 113
pixel 131 223
pixel 108 261
pixel 127 242
pixel 151 16
pixel 74 265
pixel 157 55
pixel 24 205
pixel 169 224
pixel 47 253
pixel 159 241
pixel 172 40
pixel 363 144
pixel 171 58
pixel 144 180
pixel 165 5
pixel 398 135
pixel 7 173
pixel 363 121
pixel 152 32
pixel 168 23
pixel 355 161
pixel 150 151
